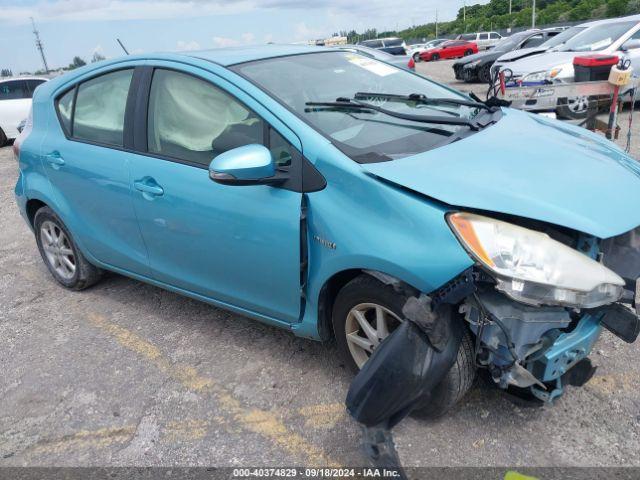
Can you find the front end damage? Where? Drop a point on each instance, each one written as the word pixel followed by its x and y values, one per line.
pixel 532 337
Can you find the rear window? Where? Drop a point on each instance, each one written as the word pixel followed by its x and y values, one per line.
pixel 395 42
pixel 98 113
pixel 372 43
pixel 13 90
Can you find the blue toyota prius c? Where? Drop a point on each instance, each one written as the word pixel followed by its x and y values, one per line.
pixel 335 195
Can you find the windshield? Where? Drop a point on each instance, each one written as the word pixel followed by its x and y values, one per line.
pixel 563 37
pixel 509 43
pixel 364 136
pixel 597 37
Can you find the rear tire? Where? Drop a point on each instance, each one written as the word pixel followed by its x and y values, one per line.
pixel 435 57
pixel 60 254
pixel 3 138
pixel 366 290
pixel 468 52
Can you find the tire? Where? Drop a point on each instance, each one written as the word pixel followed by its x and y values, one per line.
pixel 484 74
pixel 435 57
pixel 416 57
pixel 3 138
pixel 366 290
pixel 566 110
pixel 468 52
pixel 48 227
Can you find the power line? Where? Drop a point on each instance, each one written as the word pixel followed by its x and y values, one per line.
pixel 39 45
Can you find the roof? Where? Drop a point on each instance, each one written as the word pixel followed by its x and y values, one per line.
pixel 234 55
pixel 26 77
pixel 635 18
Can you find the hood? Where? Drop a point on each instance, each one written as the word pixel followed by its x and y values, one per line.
pixel 486 55
pixel 531 167
pixel 522 53
pixel 545 61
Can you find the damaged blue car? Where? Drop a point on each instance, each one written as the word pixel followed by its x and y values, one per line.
pixel 338 196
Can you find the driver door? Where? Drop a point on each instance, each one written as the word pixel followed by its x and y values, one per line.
pixel 236 245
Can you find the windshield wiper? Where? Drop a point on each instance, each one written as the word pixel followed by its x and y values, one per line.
pixel 420 98
pixel 346 103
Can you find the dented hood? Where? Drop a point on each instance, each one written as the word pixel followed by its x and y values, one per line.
pixel 532 167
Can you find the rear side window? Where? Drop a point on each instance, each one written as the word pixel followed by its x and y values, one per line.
pixel 65 107
pixel 396 42
pixel 484 36
pixel 190 119
pixel 99 108
pixel 13 90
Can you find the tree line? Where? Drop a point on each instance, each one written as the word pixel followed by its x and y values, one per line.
pixel 495 15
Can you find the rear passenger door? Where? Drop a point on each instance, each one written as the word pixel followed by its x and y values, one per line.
pixel 85 156
pixel 238 245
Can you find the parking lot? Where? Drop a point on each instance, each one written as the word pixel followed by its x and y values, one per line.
pixel 129 374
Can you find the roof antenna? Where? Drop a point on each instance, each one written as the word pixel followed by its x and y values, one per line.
pixel 125 50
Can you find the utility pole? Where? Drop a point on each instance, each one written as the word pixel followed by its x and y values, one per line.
pixel 464 15
pixel 436 23
pixel 533 14
pixel 39 45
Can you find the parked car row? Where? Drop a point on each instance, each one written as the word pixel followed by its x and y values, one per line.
pixel 552 62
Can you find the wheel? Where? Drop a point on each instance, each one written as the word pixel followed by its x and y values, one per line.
pixel 435 57
pixel 468 52
pixel 3 138
pixel 60 254
pixel 416 57
pixel 365 312
pixel 574 108
pixel 484 74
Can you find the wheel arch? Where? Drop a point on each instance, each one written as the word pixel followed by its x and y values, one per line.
pixel 336 282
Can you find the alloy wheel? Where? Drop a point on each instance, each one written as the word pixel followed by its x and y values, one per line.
pixel 57 250
pixel 366 326
pixel 578 104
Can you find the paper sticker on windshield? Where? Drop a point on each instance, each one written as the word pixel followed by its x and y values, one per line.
pixel 372 66
pixel 601 44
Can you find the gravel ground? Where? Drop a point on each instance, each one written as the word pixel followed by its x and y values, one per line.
pixel 128 374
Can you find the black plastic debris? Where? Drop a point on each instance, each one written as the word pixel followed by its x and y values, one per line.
pixel 400 375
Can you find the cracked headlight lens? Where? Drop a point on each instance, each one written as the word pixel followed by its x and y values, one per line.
pixel 531 267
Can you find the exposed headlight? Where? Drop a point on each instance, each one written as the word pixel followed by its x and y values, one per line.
pixel 542 75
pixel 532 268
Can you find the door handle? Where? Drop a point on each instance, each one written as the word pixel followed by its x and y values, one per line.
pixel 145 186
pixel 54 158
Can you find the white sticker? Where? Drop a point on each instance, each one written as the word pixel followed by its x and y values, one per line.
pixel 373 66
pixel 601 44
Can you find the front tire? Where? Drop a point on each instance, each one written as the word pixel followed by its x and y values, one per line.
pixel 416 57
pixel 435 57
pixel 365 312
pixel 3 138
pixel 468 52
pixel 60 254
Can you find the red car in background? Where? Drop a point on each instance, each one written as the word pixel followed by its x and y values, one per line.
pixel 449 49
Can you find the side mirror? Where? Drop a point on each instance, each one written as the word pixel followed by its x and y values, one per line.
pixel 630 44
pixel 248 165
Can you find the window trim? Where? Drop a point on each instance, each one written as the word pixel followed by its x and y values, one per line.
pixel 25 90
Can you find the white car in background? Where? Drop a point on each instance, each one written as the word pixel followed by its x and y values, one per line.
pixel 15 102
pixel 616 36
pixel 484 40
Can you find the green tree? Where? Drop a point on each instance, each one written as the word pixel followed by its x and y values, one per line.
pixel 76 63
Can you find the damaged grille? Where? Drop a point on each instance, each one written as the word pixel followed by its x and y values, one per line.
pixel 622 255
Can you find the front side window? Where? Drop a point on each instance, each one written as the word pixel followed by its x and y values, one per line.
pixel 190 119
pixel 533 41
pixel 13 90
pixel 494 36
pixel 100 108
pixel 365 136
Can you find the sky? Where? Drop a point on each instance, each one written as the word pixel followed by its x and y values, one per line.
pixel 82 27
